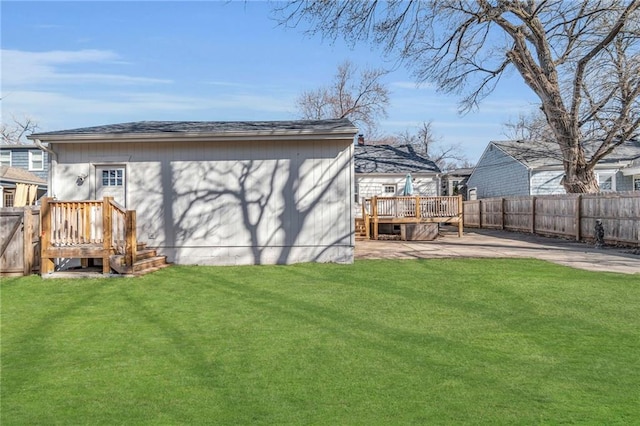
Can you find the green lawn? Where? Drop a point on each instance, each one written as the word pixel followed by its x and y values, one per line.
pixel 378 342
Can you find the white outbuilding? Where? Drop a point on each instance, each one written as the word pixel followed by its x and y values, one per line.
pixel 219 193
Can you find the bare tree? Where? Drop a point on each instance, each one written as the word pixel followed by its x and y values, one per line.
pixel 529 127
pixel 362 97
pixel 446 157
pixel 581 58
pixel 15 131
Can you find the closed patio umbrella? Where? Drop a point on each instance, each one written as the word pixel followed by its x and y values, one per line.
pixel 408 185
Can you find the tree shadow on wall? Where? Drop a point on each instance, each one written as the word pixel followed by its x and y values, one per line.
pixel 277 203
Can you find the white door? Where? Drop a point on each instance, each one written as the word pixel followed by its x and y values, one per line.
pixel 110 182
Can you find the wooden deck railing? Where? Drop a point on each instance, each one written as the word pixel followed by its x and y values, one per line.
pixel 123 232
pixel 411 209
pixel 85 230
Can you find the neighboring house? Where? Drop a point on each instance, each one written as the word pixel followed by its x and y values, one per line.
pixel 381 170
pixel 454 182
pixel 26 157
pixel 19 187
pixel 22 164
pixel 633 170
pixel 513 168
pixel 219 193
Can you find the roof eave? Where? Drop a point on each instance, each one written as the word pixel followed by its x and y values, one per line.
pixel 25 181
pixel 399 173
pixel 345 133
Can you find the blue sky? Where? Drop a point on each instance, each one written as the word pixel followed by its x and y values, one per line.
pixel 76 64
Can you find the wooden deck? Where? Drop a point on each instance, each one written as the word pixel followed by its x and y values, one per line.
pixel 92 229
pixel 411 210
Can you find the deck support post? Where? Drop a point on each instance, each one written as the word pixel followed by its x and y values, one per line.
pixel 131 245
pixel 374 213
pixel 460 216
pixel 106 234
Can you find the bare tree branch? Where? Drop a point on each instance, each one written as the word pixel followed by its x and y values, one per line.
pixel 581 58
pixel 14 132
pixel 362 98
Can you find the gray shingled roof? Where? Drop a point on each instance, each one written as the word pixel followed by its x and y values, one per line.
pixel 15 174
pixel 205 127
pixel 391 159
pixel 541 154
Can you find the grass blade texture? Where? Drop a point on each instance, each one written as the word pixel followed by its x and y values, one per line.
pixel 477 341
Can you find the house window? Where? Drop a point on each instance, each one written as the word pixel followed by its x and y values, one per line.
pixel 36 160
pixel 112 177
pixel 357 194
pixel 389 189
pixel 455 190
pixel 5 158
pixel 606 182
pixel 636 183
pixel 8 198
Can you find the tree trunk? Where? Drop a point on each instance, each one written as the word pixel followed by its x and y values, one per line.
pixel 579 176
pixel 578 173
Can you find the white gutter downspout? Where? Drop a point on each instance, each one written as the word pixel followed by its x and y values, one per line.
pixel 53 160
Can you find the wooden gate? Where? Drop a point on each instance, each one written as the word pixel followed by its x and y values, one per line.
pixel 19 240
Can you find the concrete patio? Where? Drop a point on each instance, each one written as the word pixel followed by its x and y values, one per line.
pixel 478 243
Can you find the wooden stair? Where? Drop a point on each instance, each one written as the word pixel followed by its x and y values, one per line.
pixel 147 260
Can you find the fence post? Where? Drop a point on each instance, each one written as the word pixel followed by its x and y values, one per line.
pixel 533 214
pixel 46 264
pixel 502 213
pixel 27 235
pixel 106 234
pixel 578 216
pixel 480 214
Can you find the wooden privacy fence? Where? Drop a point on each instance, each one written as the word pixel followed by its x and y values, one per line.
pixel 570 215
pixel 19 240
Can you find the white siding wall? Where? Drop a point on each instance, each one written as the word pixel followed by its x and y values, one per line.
pixel 229 202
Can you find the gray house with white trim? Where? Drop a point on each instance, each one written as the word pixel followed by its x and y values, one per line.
pixel 515 168
pixel 22 164
pixel 219 193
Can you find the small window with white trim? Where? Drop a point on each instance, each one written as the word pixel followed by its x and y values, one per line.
pixel 5 158
pixel 389 189
pixel 113 177
pixel 36 160
pixel 8 198
pixel 636 183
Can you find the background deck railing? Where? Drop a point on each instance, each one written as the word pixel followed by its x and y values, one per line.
pixel 411 209
pixel 86 229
